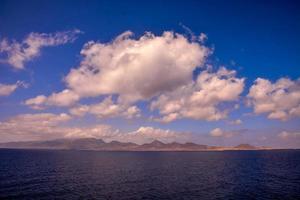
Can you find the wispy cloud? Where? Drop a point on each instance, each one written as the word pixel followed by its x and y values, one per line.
pixel 17 53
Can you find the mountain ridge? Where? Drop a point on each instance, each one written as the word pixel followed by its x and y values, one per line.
pixel 100 145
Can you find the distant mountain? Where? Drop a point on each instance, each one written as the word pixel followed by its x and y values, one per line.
pixel 82 143
pixel 245 147
pixel 100 145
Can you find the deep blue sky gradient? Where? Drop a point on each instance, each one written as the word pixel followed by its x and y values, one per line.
pixel 256 38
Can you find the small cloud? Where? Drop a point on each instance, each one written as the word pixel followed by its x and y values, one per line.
pixel 236 122
pixel 236 106
pixel 288 135
pixel 60 99
pixel 217 132
pixel 107 109
pixel 7 89
pixel 202 37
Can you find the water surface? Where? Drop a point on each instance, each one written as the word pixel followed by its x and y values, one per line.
pixel 46 174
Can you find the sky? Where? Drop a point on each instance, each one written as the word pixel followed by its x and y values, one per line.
pixel 210 72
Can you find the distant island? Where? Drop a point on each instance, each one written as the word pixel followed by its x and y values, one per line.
pixel 100 145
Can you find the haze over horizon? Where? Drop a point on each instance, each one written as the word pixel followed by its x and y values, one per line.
pixel 138 72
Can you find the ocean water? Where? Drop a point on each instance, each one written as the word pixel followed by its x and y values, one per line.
pixel 46 174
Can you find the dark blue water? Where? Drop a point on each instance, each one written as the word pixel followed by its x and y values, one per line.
pixel 45 174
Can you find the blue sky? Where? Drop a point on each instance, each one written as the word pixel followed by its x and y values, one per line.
pixel 255 38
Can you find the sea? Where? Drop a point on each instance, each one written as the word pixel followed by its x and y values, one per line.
pixel 71 174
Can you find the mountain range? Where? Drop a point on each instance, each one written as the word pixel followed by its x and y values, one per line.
pixel 100 145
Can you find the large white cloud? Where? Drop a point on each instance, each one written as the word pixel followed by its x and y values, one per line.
pixel 134 69
pixel 17 53
pixel 43 126
pixel 200 99
pixel 280 100
pixel 7 89
pixel 143 68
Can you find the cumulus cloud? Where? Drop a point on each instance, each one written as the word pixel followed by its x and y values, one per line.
pixel 65 98
pixel 279 100
pixel 107 109
pixel 43 126
pixel 289 135
pixel 7 89
pixel 217 132
pixel 136 68
pixel 200 99
pixel 17 53
pixel 144 68
pixel 132 69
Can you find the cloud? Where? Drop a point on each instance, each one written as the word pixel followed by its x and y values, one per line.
pixel 289 135
pixel 107 109
pixel 65 98
pixel 200 99
pixel 236 122
pixel 136 69
pixel 17 53
pixel 7 89
pixel 144 68
pixel 217 132
pixel 33 126
pixel 202 37
pixel 132 69
pixel 42 118
pixel 280 100
pixel 43 126
pixel 100 131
